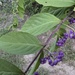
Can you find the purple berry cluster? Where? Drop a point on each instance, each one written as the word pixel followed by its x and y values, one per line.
pixel 54 58
pixel 53 61
pixel 72 20
pixel 62 40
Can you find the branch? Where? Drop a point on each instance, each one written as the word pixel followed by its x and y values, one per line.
pixel 70 27
pixel 47 42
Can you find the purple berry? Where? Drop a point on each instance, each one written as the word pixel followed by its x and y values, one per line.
pixel 59 60
pixel 71 20
pixel 64 39
pixel 60 42
pixel 61 52
pixel 36 73
pixel 59 56
pixel 65 35
pixel 43 60
pixel 74 36
pixel 71 34
pixel 55 62
pixel 48 57
pixel 52 64
pixel 50 61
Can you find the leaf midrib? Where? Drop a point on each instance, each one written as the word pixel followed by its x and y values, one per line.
pixel 10 72
pixel 41 25
pixel 23 44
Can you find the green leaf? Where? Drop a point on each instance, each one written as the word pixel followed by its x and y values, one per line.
pixel 37 64
pixel 20 12
pixel 21 3
pixel 58 12
pixel 57 3
pixel 7 68
pixel 19 43
pixel 40 23
pixel 21 8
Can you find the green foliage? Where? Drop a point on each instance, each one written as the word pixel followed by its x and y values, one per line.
pixel 57 3
pixel 18 7
pixel 21 8
pixel 21 3
pixel 19 43
pixel 20 12
pixel 40 23
pixel 58 12
pixel 7 68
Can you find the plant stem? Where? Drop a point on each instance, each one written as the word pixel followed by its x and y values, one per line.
pixel 70 27
pixel 47 42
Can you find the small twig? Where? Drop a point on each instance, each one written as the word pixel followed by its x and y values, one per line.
pixel 49 53
pixel 70 27
pixel 47 42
